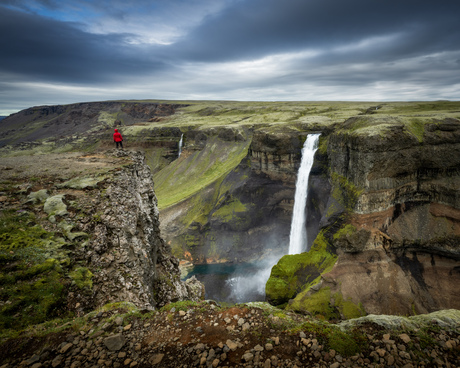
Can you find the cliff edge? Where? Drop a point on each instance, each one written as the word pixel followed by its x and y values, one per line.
pixel 80 231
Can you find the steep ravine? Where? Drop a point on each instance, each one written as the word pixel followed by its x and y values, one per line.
pixel 244 214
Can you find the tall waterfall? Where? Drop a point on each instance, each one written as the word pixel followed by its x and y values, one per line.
pixel 180 145
pixel 298 236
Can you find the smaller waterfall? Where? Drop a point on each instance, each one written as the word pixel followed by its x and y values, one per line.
pixel 180 145
pixel 298 235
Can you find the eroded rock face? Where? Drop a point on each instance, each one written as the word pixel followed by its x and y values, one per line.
pixel 404 283
pixel 400 252
pixel 134 262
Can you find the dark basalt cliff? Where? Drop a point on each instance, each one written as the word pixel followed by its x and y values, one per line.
pixel 389 239
pixel 406 246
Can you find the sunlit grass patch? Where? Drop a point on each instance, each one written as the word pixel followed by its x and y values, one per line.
pixel 184 177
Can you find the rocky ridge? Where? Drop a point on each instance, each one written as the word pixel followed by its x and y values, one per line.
pixel 75 123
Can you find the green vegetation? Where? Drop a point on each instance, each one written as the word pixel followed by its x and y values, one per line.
pixel 346 343
pixel 187 176
pixel 32 281
pixel 343 197
pixel 317 304
pixel 81 276
pixel 346 230
pixel 82 182
pixel 294 274
pixel 30 295
pixel 18 230
pixel 107 118
pixel 229 210
pixel 347 308
pixel 417 128
pixel 182 306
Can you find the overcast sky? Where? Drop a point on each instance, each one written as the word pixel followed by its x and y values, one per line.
pixel 65 51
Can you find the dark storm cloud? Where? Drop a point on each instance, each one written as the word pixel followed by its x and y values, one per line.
pixel 46 49
pixel 251 29
pixel 61 51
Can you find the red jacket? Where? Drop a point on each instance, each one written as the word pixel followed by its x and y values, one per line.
pixel 117 136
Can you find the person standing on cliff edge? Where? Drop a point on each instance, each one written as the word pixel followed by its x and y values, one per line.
pixel 118 139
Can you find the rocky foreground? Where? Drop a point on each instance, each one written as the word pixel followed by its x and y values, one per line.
pixel 204 334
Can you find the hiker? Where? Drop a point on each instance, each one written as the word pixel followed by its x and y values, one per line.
pixel 118 139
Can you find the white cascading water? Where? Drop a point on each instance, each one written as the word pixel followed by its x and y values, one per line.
pixel 180 145
pixel 298 235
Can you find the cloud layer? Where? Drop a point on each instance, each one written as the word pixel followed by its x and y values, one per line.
pixel 82 50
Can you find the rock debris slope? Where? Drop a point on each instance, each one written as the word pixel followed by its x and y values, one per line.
pixel 206 335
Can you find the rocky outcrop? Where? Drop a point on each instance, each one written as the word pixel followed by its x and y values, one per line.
pixel 70 243
pixel 133 261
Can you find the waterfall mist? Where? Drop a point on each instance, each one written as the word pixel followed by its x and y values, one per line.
pixel 250 286
pixel 298 235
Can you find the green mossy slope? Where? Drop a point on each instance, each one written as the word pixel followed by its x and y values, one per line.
pixel 32 281
pixel 298 272
pixel 188 175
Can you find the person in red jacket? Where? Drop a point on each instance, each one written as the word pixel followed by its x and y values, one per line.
pixel 118 139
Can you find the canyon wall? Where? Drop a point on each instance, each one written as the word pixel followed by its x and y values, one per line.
pixel 245 214
pixel 389 239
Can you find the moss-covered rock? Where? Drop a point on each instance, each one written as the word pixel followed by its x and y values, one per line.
pixel 295 273
pixel 55 206
pixel 67 230
pixel 82 182
pixel 37 197
pixel 30 294
pixel 18 230
pixel 81 277
pixel 317 304
pixel 31 272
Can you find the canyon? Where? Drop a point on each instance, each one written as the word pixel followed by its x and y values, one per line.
pixel 382 213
